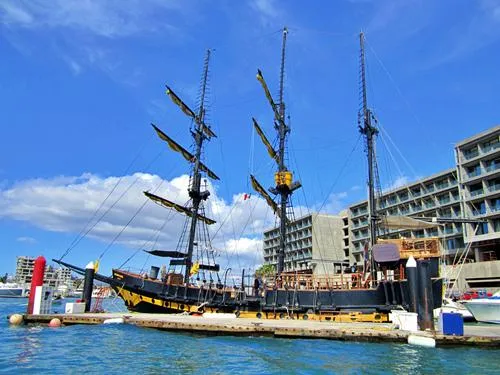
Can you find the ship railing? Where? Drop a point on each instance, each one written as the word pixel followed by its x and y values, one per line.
pixel 342 281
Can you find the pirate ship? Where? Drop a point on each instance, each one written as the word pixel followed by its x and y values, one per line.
pixel 194 282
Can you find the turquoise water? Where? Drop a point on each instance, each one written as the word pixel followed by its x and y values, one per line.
pixel 126 349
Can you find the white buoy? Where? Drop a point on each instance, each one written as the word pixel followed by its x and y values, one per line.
pixel 114 321
pixel 16 319
pixel 425 341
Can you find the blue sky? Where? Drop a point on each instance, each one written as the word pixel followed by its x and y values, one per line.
pixel 80 82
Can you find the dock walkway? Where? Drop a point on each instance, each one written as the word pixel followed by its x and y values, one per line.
pixel 486 336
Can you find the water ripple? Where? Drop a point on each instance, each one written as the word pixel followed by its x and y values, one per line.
pixel 124 349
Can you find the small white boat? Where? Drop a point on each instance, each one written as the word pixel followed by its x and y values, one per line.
pixel 486 310
pixel 450 306
pixel 12 290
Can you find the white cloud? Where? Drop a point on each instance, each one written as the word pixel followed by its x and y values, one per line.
pixel 28 240
pixel 67 203
pixel 335 203
pixel 268 13
pixel 397 183
pixel 111 18
pixel 13 14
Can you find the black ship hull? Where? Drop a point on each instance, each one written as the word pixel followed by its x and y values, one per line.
pixel 153 296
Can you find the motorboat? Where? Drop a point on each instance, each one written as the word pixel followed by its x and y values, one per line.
pixel 450 306
pixel 12 290
pixel 486 310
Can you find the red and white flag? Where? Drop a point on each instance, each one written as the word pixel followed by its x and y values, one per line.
pixel 246 196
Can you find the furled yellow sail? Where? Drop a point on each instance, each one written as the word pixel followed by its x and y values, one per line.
pixel 189 112
pixel 270 149
pixel 185 153
pixel 260 78
pixel 259 189
pixel 166 203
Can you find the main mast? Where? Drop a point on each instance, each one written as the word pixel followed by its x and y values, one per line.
pixel 195 192
pixel 283 178
pixel 283 190
pixel 369 131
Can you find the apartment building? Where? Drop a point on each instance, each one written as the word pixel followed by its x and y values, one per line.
pixel 478 168
pixel 469 190
pixel 434 196
pixel 53 277
pixel 314 244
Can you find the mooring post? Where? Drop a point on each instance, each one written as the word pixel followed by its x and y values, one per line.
pixel 411 277
pixel 425 300
pixel 88 285
pixel 36 280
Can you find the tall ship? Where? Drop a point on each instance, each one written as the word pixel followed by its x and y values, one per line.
pixel 194 283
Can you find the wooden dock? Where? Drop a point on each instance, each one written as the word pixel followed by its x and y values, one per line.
pixel 484 336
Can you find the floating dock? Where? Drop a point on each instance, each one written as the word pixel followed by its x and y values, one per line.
pixel 222 324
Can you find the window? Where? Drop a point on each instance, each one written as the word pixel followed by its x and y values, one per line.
pixel 445 213
pixel 429 203
pixel 471 153
pixel 474 170
pixel 403 196
pixel 479 208
pixel 419 233
pixel 442 184
pixel 451 244
pixel 495 204
pixel 443 199
pixel 482 228
pixel 490 145
pixel 494 185
pixel 476 189
pixel 496 225
pixel 492 165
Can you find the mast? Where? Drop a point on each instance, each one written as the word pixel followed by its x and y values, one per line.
pixel 283 178
pixel 282 131
pixel 369 131
pixel 194 190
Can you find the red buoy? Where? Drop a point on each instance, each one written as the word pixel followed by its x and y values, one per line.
pixel 36 280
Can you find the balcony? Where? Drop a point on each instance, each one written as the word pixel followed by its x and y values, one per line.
pixel 491 147
pixel 493 188
pixel 475 193
pixel 442 186
pixel 476 172
pixel 444 200
pixel 470 154
pixel 492 167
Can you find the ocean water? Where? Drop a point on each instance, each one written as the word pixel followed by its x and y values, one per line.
pixel 125 349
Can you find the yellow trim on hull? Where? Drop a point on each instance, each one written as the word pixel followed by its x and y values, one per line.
pixel 133 299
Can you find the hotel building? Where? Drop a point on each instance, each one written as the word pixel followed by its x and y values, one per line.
pixel 470 190
pixel 314 244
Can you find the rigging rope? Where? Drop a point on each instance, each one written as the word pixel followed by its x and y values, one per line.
pixel 109 208
pixel 79 236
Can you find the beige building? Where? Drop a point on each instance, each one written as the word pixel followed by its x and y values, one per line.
pixel 314 244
